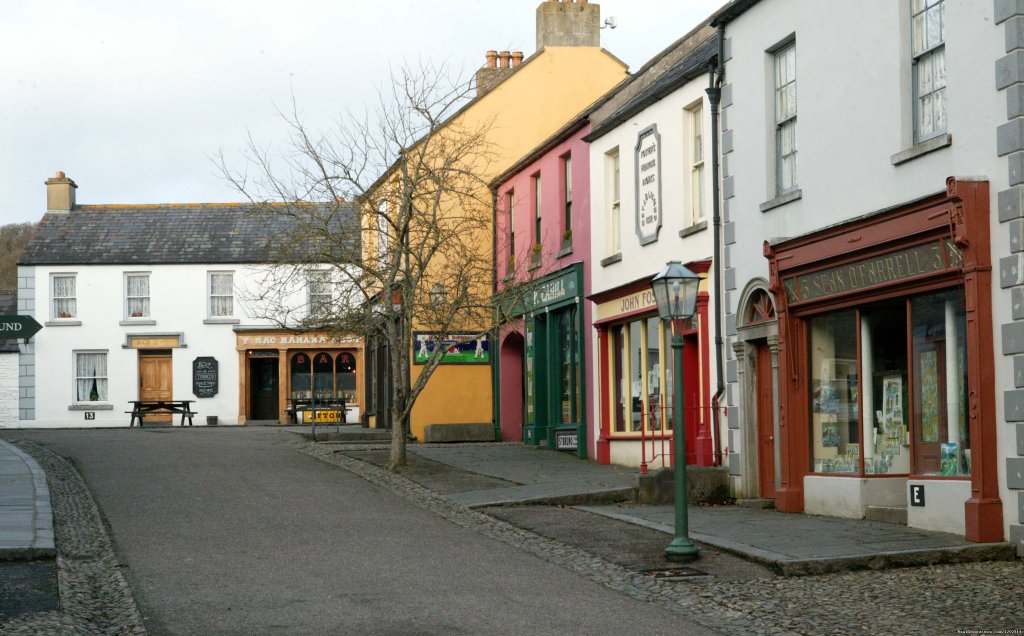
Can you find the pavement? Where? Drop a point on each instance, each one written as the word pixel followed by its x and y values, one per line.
pixel 790 544
pixel 26 516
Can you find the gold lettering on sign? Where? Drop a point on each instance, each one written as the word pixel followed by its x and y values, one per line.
pixel 154 343
pixel 895 266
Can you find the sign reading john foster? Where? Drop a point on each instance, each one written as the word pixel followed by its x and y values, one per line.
pixel 648 185
pixel 205 378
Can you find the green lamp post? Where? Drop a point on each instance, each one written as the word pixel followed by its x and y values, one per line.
pixel 675 291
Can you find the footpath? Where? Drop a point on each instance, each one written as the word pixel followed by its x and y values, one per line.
pixel 26 516
pixel 500 474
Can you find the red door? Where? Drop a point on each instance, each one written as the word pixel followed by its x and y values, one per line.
pixel 765 423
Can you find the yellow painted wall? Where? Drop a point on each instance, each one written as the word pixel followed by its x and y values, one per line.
pixel 529 106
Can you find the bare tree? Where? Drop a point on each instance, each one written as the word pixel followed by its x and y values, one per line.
pixel 412 172
pixel 13 239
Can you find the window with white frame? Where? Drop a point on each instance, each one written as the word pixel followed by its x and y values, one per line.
pixel 91 376
pixel 64 303
pixel 567 198
pixel 136 295
pixel 222 294
pixel 695 114
pixel 536 211
pixel 785 119
pixel 612 190
pixel 319 288
pixel 511 229
pixel 928 27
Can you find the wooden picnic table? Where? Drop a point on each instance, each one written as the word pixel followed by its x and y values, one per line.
pixel 141 407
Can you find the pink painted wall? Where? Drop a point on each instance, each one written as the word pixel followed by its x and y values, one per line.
pixel 552 256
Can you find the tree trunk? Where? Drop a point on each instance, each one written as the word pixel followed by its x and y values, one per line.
pixel 400 394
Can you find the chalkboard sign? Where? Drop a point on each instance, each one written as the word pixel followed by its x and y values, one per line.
pixel 205 377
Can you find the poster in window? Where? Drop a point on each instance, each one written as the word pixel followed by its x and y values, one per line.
pixel 929 397
pixel 892 402
pixel 949 463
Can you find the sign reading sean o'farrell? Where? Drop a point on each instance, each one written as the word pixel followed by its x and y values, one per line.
pixel 648 185
pixel 205 377
pixel 929 258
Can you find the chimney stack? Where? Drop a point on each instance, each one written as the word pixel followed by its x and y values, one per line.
pixel 568 23
pixel 60 193
pixel 499 66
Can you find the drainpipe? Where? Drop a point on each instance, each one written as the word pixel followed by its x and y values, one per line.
pixel 495 348
pixel 714 92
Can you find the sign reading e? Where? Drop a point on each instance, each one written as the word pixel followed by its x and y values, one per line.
pixel 917 494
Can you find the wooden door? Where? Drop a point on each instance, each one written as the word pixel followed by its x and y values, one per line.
pixel 263 392
pixel 765 423
pixel 155 381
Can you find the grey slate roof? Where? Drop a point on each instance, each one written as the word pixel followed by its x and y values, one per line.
pixel 693 65
pixel 173 234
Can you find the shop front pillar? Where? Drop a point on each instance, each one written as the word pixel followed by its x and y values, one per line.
pixel 704 446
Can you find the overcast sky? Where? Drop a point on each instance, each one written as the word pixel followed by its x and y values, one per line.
pixel 134 99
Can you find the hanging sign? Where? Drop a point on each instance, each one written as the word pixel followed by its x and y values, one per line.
pixel 12 327
pixel 205 377
pixel 648 185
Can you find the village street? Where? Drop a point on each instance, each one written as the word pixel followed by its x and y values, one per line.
pixel 231 531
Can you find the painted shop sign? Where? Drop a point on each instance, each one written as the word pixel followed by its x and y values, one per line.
pixel 648 185
pixel 930 258
pixel 639 301
pixel 205 377
pixel 154 342
pixel 566 440
pixel 552 291
pixel 460 348
pixel 290 340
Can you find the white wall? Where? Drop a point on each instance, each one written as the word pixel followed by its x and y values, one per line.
pixel 178 305
pixel 854 113
pixel 8 389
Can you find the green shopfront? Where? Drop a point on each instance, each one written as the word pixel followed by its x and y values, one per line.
pixel 541 375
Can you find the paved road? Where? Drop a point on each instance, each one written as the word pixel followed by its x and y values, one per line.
pixel 231 531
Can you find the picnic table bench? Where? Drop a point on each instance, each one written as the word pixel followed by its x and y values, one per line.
pixel 140 408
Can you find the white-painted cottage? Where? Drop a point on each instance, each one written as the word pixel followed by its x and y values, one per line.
pixel 144 302
pixel 872 156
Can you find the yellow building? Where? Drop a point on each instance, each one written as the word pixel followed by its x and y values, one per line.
pixel 520 103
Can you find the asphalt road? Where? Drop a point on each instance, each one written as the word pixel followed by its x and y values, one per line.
pixel 231 531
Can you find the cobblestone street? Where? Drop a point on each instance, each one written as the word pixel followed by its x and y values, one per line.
pixel 729 595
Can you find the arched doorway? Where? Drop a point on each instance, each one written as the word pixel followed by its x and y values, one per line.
pixel 512 397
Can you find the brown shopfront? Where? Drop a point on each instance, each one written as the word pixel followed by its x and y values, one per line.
pixel 886 366
pixel 278 370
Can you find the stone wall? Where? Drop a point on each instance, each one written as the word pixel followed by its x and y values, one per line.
pixel 8 389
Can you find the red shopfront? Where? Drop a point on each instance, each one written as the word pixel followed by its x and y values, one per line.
pixel 886 366
pixel 635 378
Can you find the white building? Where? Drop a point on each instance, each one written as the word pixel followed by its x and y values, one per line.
pixel 651 202
pixel 162 302
pixel 873 239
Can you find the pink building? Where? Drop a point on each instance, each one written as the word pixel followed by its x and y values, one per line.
pixel 545 358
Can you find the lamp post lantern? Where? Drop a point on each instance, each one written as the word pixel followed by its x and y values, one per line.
pixel 675 291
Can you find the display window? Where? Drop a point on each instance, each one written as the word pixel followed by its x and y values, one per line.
pixel 323 376
pixel 569 364
pixel 640 376
pixel 888 388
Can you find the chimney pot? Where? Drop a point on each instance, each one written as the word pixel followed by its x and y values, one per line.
pixel 517 58
pixel 492 59
pixel 504 55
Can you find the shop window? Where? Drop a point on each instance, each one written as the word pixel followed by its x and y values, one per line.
pixel 941 434
pixel 875 414
pixel 531 374
pixel 323 377
pixel 346 376
pixel 570 367
pixel 641 380
pixel 301 377
pixel 91 376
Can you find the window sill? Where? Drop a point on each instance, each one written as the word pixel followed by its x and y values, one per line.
pixel 91 406
pixel 611 260
pixel 693 229
pixel 222 321
pixel 63 322
pixel 145 322
pixel 566 251
pixel 923 148
pixel 781 200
